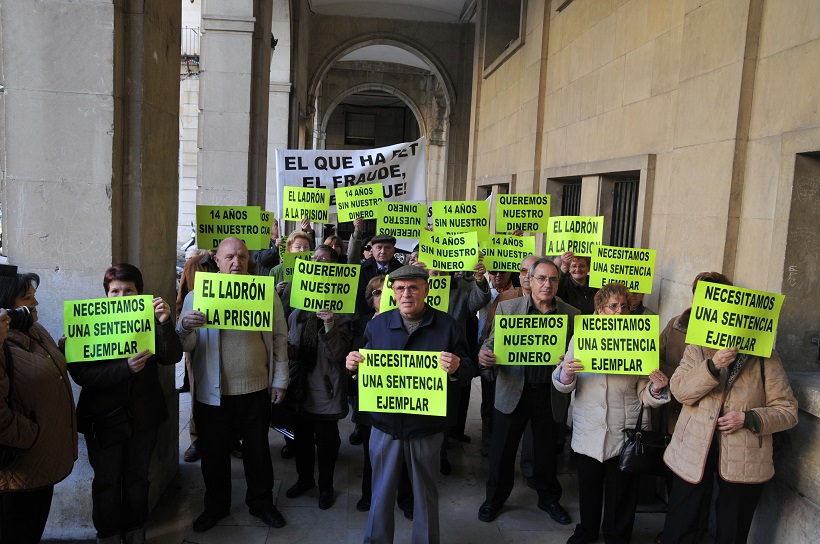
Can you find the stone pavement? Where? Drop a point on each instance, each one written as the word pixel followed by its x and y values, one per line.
pixel 461 493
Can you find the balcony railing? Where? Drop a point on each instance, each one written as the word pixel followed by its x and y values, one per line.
pixel 190 42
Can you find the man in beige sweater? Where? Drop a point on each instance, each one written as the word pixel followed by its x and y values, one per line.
pixel 238 374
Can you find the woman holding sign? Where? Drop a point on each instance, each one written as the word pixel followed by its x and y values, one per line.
pixel 120 410
pixel 39 419
pixel 604 405
pixel 318 343
pixel 732 404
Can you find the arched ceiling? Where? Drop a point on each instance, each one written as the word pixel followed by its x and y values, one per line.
pixel 385 53
pixel 442 11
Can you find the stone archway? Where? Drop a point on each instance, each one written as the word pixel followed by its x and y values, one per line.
pixel 432 112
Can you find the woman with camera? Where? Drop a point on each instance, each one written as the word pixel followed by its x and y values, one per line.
pixel 36 412
pixel 120 410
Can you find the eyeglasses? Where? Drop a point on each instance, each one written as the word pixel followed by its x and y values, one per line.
pixel 367 248
pixel 411 289
pixel 495 273
pixel 614 306
pixel 376 292
pixel 543 279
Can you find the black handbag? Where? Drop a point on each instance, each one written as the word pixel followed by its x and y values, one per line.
pixel 7 453
pixel 643 450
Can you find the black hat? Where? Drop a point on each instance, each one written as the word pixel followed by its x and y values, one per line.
pixel 409 272
pixel 382 239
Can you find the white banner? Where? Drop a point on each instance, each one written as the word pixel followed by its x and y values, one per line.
pixel 401 168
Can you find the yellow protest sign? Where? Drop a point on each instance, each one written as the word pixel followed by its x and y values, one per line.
pixel 632 267
pixel 289 262
pixel 215 223
pixel 448 252
pixel 574 233
pixel 528 213
pixel 404 382
pixel 438 297
pixel 307 202
pixel 108 328
pixel 235 301
pixel 618 344
pixel 401 220
pixel 504 253
pixel 329 286
pixel 530 339
pixel 358 201
pixel 265 226
pixel 724 316
pixel 462 216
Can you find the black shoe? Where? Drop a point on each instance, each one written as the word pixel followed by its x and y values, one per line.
pixel 184 388
pixel 355 437
pixel 658 538
pixel 236 449
pixel 530 482
pixel 488 512
pixel 461 438
pixel 298 488
pixel 363 505
pixel 287 452
pixel 192 453
pixel 408 513
pixel 445 467
pixel 270 517
pixel 556 512
pixel 325 498
pixel 207 520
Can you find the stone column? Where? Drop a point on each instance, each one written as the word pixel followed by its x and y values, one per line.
pixel 225 101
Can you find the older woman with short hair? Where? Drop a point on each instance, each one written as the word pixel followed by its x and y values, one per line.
pixel 39 421
pixel 120 410
pixel 732 405
pixel 605 405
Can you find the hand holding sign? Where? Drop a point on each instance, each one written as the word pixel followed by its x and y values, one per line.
pixel 193 320
pixel 449 362
pixel 162 311
pixel 568 369
pixel 137 362
pixel 724 357
pixel 352 361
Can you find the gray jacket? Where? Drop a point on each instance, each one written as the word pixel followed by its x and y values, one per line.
pixel 510 378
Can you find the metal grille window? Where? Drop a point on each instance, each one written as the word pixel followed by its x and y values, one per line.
pixel 624 213
pixel 571 199
pixel 360 129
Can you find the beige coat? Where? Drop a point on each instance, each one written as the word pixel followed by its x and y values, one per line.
pixel 743 457
pixel 40 420
pixel 604 405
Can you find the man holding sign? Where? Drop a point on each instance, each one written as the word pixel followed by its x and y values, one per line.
pixel 526 394
pixel 238 374
pixel 408 435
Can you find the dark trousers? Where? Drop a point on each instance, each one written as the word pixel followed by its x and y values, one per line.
pixel 23 515
pixel 316 439
pixel 119 490
pixel 487 409
pixel 734 506
pixel 604 485
pixel 463 408
pixel 250 415
pixel 534 407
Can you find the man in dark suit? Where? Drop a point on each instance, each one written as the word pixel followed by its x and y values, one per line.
pixel 526 394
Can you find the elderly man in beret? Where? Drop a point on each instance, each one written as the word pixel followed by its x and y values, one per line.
pixel 405 437
pixel 381 261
